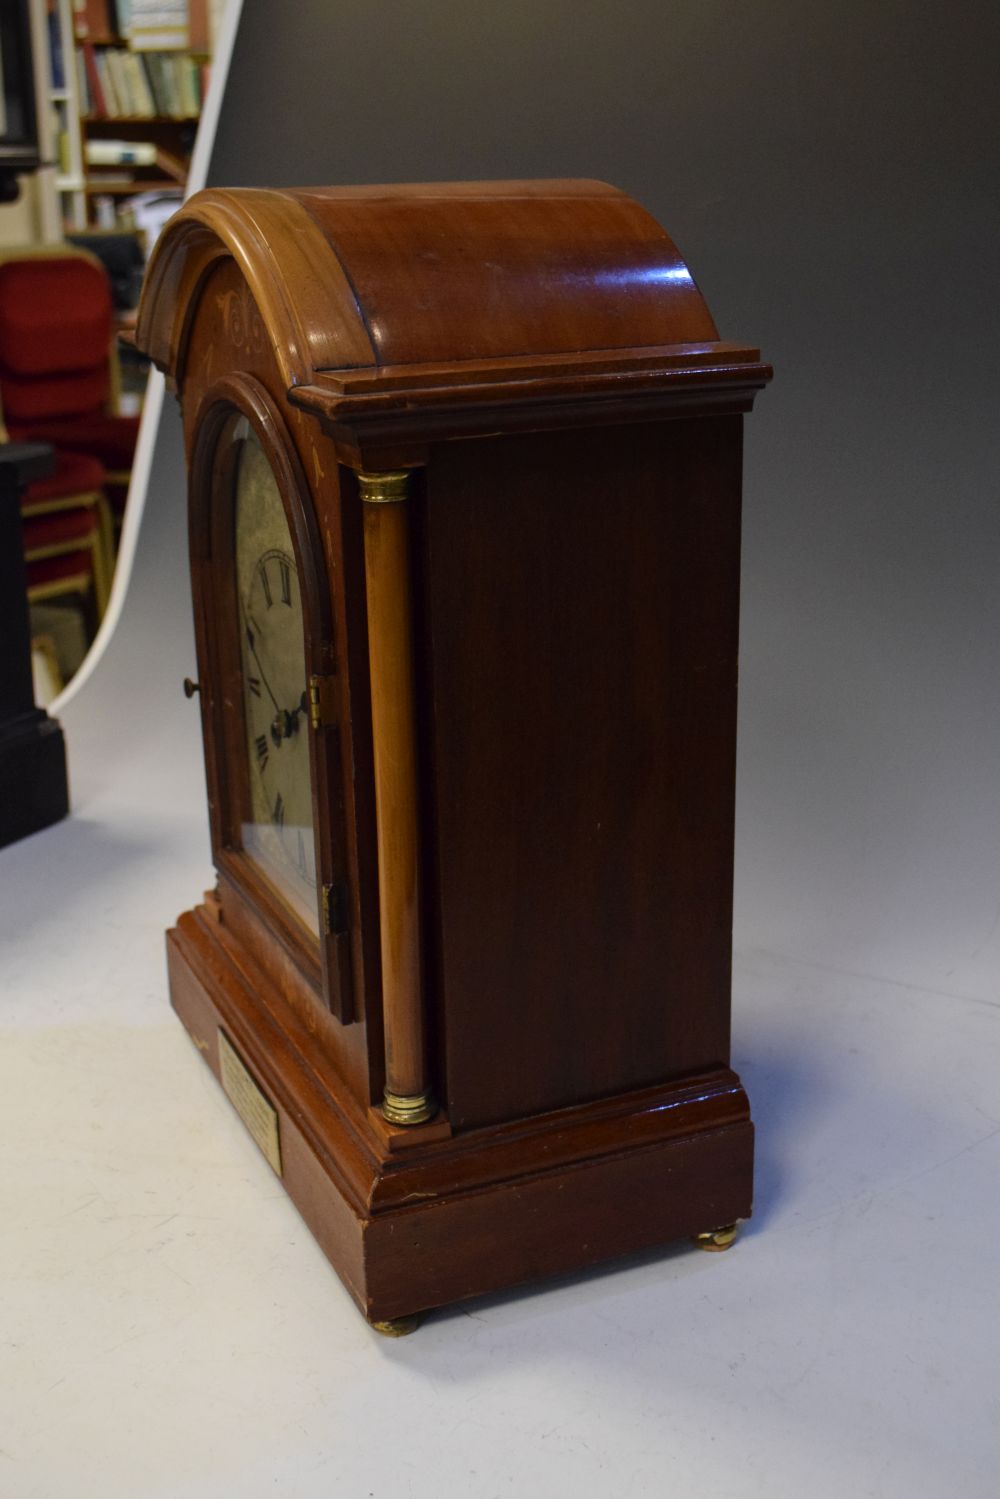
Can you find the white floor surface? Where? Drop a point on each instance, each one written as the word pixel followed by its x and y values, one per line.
pixel 170 1329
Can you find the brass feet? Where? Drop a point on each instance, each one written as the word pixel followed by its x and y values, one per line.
pixel 397 1327
pixel 718 1239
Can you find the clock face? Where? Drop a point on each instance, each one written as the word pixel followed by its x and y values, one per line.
pixel 278 833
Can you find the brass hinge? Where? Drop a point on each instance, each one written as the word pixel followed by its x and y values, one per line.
pixel 322 701
pixel 334 910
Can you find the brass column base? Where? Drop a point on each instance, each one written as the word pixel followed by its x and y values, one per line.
pixel 718 1239
pixel 413 1108
pixel 397 1327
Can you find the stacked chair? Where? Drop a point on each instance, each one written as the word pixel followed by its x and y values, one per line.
pixel 56 386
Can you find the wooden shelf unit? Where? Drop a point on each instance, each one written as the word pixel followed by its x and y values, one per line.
pixel 74 125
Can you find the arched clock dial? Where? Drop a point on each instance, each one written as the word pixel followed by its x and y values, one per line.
pixel 278 832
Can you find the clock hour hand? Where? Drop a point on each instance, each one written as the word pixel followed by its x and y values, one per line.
pixel 291 716
pixel 286 720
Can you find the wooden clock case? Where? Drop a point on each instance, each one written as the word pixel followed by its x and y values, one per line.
pixel 508 440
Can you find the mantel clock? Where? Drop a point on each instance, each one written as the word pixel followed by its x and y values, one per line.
pixel 464 497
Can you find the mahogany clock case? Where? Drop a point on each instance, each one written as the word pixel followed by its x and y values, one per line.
pixel 536 362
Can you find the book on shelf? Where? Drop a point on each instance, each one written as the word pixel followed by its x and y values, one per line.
pixel 85 15
pixel 157 73
pixel 190 85
pixel 159 25
pixel 57 62
pixel 98 180
pixel 104 97
pixel 82 85
pixel 114 62
pixel 199 26
pixel 97 20
pixel 139 91
pixel 93 100
pixel 65 149
pixel 117 83
pixel 120 153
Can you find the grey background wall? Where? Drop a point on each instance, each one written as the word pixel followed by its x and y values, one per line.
pixel 830 173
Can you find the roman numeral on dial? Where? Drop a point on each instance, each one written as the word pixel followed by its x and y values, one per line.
pixel 279 811
pixel 260 745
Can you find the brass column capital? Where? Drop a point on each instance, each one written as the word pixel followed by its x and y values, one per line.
pixel 384 489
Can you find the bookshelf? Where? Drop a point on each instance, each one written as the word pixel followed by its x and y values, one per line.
pixel 128 82
pixel 65 111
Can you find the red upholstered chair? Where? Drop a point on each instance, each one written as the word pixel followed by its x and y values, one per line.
pixel 68 533
pixel 56 359
pixel 70 575
pixel 64 554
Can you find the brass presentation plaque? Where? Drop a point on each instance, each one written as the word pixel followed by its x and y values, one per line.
pixel 249 1102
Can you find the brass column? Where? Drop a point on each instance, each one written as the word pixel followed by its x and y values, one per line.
pixel 408 1097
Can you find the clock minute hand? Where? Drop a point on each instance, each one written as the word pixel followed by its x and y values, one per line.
pixel 265 681
pixel 253 651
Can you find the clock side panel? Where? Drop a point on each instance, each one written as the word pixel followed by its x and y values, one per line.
pixel 582 599
pixel 227 339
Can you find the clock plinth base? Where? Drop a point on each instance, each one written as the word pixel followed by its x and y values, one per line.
pixel 451 1218
pixel 33 768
